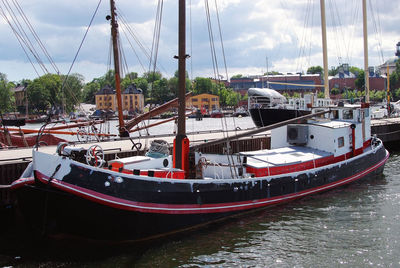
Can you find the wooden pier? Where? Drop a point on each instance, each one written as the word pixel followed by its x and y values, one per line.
pixel 14 161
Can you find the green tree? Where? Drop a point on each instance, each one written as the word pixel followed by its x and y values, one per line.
pixel 397 94
pixel 335 91
pixel 89 92
pixel 360 80
pixel 6 96
pixel 44 92
pixel 395 77
pixel 152 76
pixel 202 85
pixel 237 76
pixel 315 70
pixel 142 83
pixel 72 90
pixel 333 71
pixel 128 80
pixel 272 73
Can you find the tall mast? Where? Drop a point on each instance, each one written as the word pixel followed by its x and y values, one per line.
pixel 365 34
pixel 181 142
pixel 114 33
pixel 324 49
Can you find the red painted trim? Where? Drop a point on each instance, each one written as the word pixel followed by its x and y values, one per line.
pixel 195 208
pixel 319 162
pixel 22 182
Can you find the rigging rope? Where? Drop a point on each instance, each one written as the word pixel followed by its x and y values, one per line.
pixel 21 34
pixel 377 29
pixel 21 12
pixel 19 40
pixel 76 55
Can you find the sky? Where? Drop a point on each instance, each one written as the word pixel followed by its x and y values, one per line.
pixel 258 35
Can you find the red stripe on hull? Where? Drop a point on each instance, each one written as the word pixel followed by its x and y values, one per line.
pixel 195 208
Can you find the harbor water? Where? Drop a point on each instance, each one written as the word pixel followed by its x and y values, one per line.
pixel 353 226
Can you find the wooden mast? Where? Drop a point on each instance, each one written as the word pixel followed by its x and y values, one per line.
pixel 181 142
pixel 324 49
pixel 114 34
pixel 365 34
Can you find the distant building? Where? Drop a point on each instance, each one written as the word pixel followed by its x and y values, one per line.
pixel 345 79
pixel 106 99
pixel 206 101
pixel 20 96
pixel 303 82
pixel 390 62
pixel 132 99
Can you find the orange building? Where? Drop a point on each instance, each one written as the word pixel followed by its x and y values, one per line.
pixel 132 99
pixel 106 99
pixel 206 101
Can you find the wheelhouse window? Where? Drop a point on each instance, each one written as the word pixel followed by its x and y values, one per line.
pixel 347 114
pixel 340 142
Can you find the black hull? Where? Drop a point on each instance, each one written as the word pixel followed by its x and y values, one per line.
pixel 265 117
pixel 161 208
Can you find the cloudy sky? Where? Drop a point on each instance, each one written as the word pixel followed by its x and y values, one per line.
pixel 284 35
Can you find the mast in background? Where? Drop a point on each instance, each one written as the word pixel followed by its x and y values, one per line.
pixel 365 34
pixel 324 49
pixel 114 33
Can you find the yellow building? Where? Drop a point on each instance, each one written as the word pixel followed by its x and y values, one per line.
pixel 106 99
pixel 204 101
pixel 132 99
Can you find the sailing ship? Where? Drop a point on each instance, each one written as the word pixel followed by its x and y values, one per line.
pixel 76 191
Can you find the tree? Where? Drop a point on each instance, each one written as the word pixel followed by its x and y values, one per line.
pixel 272 73
pixel 6 96
pixel 152 76
pixel 335 91
pixel 202 85
pixel 315 70
pixel 333 71
pixel 395 77
pixel 321 95
pixel 89 92
pixel 237 76
pixel 44 92
pixel 72 90
pixel 160 92
pixel 142 83
pixel 128 80
pixel 360 80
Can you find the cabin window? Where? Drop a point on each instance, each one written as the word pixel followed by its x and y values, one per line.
pixel 194 99
pixel 340 142
pixel 347 114
pixel 214 99
pixel 204 99
pixel 99 98
pixel 335 114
